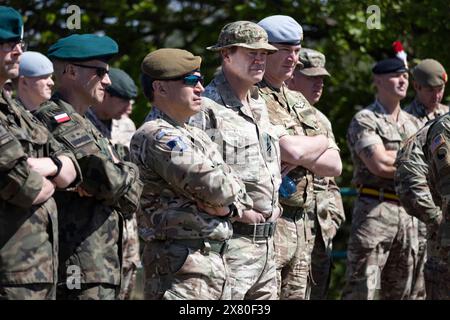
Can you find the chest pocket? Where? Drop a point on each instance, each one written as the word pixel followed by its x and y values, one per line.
pixel 79 142
pixel 240 151
pixel 392 139
pixel 33 139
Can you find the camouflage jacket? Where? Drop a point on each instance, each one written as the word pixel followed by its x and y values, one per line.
pixel 329 206
pixel 180 166
pixel 122 130
pixel 436 150
pixel 90 226
pixel 411 183
pixel 248 142
pixel 418 110
pixel 28 233
pixel 291 111
pixel 373 125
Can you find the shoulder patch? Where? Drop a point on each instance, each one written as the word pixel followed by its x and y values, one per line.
pixel 61 118
pixel 437 141
pixel 178 144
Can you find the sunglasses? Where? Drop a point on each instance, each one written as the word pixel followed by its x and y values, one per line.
pixel 100 71
pixel 10 46
pixel 191 79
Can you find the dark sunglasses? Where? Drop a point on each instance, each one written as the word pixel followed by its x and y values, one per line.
pixel 100 71
pixel 191 79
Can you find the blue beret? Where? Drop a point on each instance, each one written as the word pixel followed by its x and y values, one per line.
pixel 282 29
pixel 122 85
pixel 34 64
pixel 391 65
pixel 11 25
pixel 83 47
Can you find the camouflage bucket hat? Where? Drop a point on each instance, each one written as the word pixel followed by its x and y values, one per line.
pixel 312 63
pixel 244 34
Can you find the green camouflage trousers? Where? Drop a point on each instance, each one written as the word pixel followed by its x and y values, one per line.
pixel 418 291
pixel 174 271
pixel 294 242
pixel 251 266
pixel 320 269
pixel 380 255
pixel 35 291
pixel 131 260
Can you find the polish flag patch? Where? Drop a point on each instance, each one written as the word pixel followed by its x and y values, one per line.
pixel 61 118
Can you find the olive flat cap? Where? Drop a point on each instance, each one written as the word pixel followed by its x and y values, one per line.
pixel 429 72
pixel 169 63
pixel 83 47
pixel 312 63
pixel 34 64
pixel 282 29
pixel 244 34
pixel 391 65
pixel 122 85
pixel 11 25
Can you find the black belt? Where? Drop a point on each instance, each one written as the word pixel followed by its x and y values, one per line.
pixel 204 245
pixel 255 231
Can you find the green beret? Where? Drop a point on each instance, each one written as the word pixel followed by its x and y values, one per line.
pixel 11 25
pixel 166 64
pixel 83 47
pixel 430 73
pixel 122 85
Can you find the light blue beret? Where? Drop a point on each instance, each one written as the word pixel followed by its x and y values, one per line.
pixel 34 64
pixel 282 29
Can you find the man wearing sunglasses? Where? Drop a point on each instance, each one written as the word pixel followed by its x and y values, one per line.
pixel 92 215
pixel 32 165
pixel 190 193
pixel 118 99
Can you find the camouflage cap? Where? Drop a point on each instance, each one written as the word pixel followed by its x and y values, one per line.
pixel 430 73
pixel 244 34
pixel 312 63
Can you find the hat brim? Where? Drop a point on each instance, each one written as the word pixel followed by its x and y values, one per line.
pixel 255 46
pixel 314 72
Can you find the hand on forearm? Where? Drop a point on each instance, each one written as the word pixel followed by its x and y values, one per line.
pixel 302 150
pixel 251 217
pixel 47 190
pixel 329 164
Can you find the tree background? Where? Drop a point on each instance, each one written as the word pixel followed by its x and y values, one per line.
pixel 337 28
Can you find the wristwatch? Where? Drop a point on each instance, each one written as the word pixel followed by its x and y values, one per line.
pixel 58 165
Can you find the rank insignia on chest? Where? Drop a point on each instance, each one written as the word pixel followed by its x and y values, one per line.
pixel 437 141
pixel 61 118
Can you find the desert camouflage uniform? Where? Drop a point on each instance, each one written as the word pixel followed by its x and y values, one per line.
pixel 297 228
pixel 122 130
pixel 28 233
pixel 91 227
pixel 331 216
pixel 416 176
pixel 180 166
pixel 383 238
pixel 131 260
pixel 250 145
pixel 437 268
pixel 412 187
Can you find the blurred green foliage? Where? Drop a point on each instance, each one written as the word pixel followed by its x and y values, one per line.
pixel 338 28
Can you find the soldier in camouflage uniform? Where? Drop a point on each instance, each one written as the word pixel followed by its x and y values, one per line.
pixel 308 79
pixel 296 230
pixel 117 100
pixel 190 194
pixel 237 121
pixel 90 219
pixel 32 164
pixel 411 176
pixel 437 267
pixel 382 238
